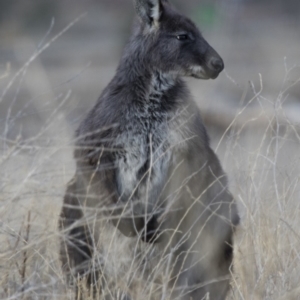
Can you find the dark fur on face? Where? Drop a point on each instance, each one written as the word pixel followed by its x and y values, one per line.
pixel 173 44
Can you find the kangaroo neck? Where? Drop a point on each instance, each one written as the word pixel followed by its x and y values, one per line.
pixel 159 85
pixel 136 72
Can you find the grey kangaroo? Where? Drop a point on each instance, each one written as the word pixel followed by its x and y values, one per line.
pixel 148 212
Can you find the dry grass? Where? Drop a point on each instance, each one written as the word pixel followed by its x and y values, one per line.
pixel 261 158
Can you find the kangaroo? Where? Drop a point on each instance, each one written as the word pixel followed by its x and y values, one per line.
pixel 148 211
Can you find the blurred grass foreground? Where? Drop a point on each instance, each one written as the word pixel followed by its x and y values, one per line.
pixel 55 59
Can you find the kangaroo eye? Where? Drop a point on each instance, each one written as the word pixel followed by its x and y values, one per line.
pixel 182 37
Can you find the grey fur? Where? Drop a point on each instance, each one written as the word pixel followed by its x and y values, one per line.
pixel 144 166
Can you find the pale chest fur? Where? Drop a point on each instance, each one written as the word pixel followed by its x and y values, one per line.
pixel 150 138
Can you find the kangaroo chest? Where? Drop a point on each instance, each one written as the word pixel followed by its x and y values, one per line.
pixel 143 165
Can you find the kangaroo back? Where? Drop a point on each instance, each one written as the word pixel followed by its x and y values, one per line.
pixel 148 209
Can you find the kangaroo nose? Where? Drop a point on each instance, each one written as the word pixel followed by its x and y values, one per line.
pixel 216 64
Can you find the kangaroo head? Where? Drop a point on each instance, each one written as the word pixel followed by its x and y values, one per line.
pixel 173 43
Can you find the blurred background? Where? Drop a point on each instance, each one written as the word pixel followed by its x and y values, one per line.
pixel 55 59
pixel 57 56
pixel 252 36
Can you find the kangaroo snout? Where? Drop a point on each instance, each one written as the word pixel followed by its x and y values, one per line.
pixel 216 64
pixel 210 64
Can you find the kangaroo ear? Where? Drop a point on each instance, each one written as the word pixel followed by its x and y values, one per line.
pixel 149 11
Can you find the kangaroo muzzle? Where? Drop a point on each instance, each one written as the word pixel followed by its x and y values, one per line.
pixel 210 63
pixel 214 64
pixel 214 67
